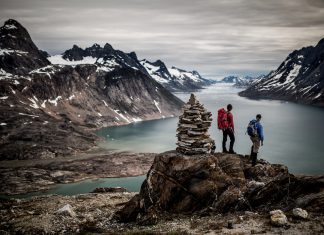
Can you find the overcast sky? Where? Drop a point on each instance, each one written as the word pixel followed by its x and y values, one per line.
pixel 214 37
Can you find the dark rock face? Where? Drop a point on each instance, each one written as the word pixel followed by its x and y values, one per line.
pixel 175 79
pixel 300 78
pixel 18 53
pixel 221 183
pixel 106 58
pixel 47 110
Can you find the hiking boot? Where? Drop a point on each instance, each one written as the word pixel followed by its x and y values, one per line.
pixel 232 152
pixel 254 158
pixel 225 151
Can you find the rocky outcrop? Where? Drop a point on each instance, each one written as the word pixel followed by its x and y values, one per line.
pixel 175 79
pixel 300 78
pixel 48 110
pixel 193 137
pixel 221 183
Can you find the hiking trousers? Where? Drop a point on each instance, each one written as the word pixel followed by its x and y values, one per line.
pixel 256 143
pixel 228 132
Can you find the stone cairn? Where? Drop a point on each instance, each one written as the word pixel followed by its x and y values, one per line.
pixel 192 132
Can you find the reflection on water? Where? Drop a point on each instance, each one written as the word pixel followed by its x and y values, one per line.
pixel 293 132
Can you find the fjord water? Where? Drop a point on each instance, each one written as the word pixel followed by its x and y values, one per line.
pixel 293 132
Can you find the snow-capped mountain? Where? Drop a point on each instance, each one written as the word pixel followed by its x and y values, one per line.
pixel 175 79
pixel 108 59
pixel 300 78
pixel 236 79
pixel 105 58
pixel 18 53
pixel 46 107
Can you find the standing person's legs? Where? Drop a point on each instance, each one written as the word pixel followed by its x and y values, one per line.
pixel 232 138
pixel 255 149
pixel 224 140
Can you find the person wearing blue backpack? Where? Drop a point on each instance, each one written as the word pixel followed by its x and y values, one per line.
pixel 255 131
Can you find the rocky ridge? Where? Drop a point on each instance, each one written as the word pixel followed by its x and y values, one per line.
pixel 48 110
pixel 300 78
pixel 107 58
pixel 240 81
pixel 175 79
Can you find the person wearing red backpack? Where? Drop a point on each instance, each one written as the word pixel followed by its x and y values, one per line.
pixel 225 123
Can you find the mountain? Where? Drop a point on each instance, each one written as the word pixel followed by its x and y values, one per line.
pixel 238 81
pixel 47 109
pixel 175 79
pixel 18 53
pixel 300 78
pixel 107 58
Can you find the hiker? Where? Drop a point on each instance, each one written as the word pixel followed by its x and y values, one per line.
pixel 255 131
pixel 226 124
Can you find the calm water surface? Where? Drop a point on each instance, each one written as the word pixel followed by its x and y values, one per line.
pixel 293 132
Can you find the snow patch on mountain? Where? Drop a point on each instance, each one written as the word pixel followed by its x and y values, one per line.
pixel 298 78
pixel 173 78
pixel 58 59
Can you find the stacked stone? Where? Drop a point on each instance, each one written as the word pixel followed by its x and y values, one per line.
pixel 192 132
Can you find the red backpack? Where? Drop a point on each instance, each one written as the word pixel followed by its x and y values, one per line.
pixel 222 121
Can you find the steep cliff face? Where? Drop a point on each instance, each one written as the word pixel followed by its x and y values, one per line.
pixel 35 93
pixel 300 78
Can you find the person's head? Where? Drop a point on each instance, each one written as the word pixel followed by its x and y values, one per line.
pixel 258 117
pixel 229 107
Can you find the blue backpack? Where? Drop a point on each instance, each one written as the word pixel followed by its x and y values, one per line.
pixel 251 128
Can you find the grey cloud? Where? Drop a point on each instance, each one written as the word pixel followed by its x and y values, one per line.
pixel 214 37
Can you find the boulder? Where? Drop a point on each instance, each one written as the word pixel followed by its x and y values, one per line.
pixel 66 211
pixel 300 213
pixel 278 218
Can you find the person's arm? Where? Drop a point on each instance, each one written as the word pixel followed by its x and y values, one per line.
pixel 260 133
